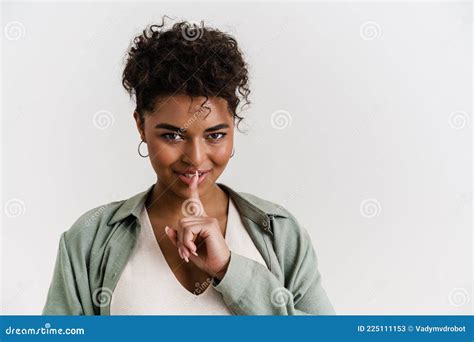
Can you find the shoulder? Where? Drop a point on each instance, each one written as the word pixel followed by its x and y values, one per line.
pixel 291 240
pixel 285 225
pixel 268 207
pixel 97 224
pixel 91 224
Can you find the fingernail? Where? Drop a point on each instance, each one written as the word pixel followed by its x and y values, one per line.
pixel 194 253
pixel 166 229
pixel 180 254
pixel 185 254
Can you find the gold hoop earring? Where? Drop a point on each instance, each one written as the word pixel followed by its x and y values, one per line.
pixel 141 155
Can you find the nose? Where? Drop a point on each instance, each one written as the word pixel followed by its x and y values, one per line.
pixel 194 153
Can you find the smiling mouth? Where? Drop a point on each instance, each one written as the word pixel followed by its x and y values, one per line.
pixel 187 177
pixel 190 175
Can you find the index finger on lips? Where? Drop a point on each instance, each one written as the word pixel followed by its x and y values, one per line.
pixel 194 196
pixel 193 187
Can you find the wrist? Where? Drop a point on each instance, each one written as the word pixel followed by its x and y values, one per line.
pixel 221 273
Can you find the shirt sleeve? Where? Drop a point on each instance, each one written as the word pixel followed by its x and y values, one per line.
pixel 63 298
pixel 249 288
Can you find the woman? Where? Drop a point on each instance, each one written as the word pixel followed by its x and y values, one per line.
pixel 187 245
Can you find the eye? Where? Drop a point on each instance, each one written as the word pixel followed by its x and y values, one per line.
pixel 215 136
pixel 173 137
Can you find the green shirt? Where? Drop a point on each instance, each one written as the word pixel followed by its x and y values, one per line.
pixel 94 251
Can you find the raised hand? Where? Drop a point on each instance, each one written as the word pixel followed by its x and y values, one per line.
pixel 198 237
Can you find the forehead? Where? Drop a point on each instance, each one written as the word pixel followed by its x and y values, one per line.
pixel 179 108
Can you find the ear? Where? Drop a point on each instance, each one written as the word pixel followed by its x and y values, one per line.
pixel 140 125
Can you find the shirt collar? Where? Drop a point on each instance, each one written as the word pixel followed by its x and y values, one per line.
pixel 252 207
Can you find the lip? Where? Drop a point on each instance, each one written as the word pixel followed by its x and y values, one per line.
pixel 188 181
pixel 191 171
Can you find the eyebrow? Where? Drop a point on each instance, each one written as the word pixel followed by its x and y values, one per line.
pixel 178 129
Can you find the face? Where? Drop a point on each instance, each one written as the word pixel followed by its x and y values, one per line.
pixel 182 136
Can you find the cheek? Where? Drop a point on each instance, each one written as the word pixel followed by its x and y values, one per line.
pixel 162 154
pixel 221 155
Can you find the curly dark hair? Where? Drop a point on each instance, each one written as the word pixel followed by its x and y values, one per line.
pixel 188 59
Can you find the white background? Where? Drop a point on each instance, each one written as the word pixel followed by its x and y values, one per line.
pixel 379 108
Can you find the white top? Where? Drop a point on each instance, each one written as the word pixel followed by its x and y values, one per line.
pixel 147 285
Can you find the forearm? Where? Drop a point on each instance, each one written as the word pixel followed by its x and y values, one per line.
pixel 249 288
